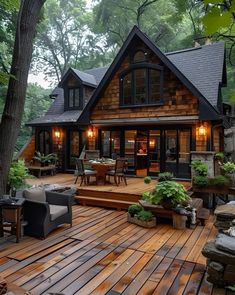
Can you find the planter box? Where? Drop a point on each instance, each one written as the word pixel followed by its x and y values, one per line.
pixel 142 223
pixel 211 189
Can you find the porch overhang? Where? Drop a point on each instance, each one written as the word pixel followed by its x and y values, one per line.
pixel 166 120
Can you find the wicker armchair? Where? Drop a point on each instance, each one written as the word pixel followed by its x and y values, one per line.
pixel 44 216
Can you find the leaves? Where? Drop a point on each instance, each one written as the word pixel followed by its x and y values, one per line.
pixel 215 20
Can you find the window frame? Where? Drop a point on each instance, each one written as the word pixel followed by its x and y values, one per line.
pixel 147 67
pixel 80 106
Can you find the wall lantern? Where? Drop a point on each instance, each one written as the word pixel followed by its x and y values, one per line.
pixel 201 132
pixel 57 134
pixel 90 132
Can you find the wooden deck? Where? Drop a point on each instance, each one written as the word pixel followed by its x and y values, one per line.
pixel 103 254
pixel 108 195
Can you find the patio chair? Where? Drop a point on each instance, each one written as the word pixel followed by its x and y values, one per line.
pixel 119 171
pixel 44 211
pixel 85 174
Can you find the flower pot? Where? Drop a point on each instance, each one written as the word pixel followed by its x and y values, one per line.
pixel 143 223
pixel 167 204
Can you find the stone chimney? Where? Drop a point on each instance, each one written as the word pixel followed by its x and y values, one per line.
pixel 208 41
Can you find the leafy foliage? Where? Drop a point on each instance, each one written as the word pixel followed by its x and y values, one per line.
pixel 134 209
pixel 219 156
pixel 40 157
pixel 220 180
pixel 17 175
pixel 144 215
pixel 199 167
pixel 147 179
pixel 200 180
pixel 164 176
pixel 167 190
pixel 228 167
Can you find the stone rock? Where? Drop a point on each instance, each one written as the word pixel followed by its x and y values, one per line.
pixel 216 266
pixel 226 211
pixel 233 222
pixel 225 243
pixel 210 251
pixel 214 274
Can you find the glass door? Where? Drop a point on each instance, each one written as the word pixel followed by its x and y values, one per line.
pixel 171 151
pixel 154 151
pixel 142 153
pixel 130 136
pixel 73 148
pixel 184 136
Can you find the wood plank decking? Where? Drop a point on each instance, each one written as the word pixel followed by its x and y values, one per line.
pixel 103 254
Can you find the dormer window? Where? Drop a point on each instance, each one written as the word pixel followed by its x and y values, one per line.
pixel 139 56
pixel 75 100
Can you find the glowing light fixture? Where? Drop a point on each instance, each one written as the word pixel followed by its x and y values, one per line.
pixel 90 132
pixel 202 130
pixel 57 134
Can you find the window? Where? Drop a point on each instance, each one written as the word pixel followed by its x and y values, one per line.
pixel 139 56
pixel 141 84
pixel 74 98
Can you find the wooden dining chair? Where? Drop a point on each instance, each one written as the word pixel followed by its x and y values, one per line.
pixel 119 171
pixel 85 174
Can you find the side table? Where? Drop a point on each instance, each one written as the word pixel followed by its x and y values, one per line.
pixel 11 216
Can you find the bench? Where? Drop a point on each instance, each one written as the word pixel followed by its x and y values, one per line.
pixel 39 169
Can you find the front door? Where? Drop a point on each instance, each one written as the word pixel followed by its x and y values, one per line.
pixel 141 153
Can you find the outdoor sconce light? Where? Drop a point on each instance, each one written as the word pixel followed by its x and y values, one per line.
pixel 57 134
pixel 90 132
pixel 201 132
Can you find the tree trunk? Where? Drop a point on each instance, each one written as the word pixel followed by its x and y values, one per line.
pixel 14 106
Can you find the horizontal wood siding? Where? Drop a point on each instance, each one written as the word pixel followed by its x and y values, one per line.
pixel 178 100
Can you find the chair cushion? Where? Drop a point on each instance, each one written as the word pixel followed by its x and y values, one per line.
pixel 110 172
pixel 35 194
pixel 57 211
pixel 90 172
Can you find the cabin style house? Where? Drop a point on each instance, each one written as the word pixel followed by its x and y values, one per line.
pixel 152 108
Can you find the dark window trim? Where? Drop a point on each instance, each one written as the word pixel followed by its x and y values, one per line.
pixel 80 107
pixel 131 70
pixel 134 54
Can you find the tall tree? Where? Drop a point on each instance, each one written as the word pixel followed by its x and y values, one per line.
pixel 162 20
pixel 64 39
pixel 28 17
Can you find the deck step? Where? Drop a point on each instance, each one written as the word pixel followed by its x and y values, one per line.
pixel 103 202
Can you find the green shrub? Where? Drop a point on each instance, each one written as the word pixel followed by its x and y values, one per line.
pixel 220 180
pixel 200 180
pixel 228 167
pixel 171 190
pixel 165 176
pixel 17 175
pixel 45 159
pixel 199 167
pixel 219 156
pixel 134 209
pixel 147 179
pixel 144 215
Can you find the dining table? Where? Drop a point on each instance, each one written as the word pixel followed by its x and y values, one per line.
pixel 102 168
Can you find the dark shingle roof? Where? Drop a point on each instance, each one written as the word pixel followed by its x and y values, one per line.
pixel 98 73
pixel 56 113
pixel 86 78
pixel 203 66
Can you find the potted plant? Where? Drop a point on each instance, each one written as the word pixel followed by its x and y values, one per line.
pixel 141 217
pixel 45 159
pixel 200 180
pixel 167 194
pixel 199 167
pixel 229 170
pixel 17 175
pixel 220 181
pixel 164 176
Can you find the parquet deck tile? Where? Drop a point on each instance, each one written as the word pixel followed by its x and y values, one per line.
pixel 103 254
